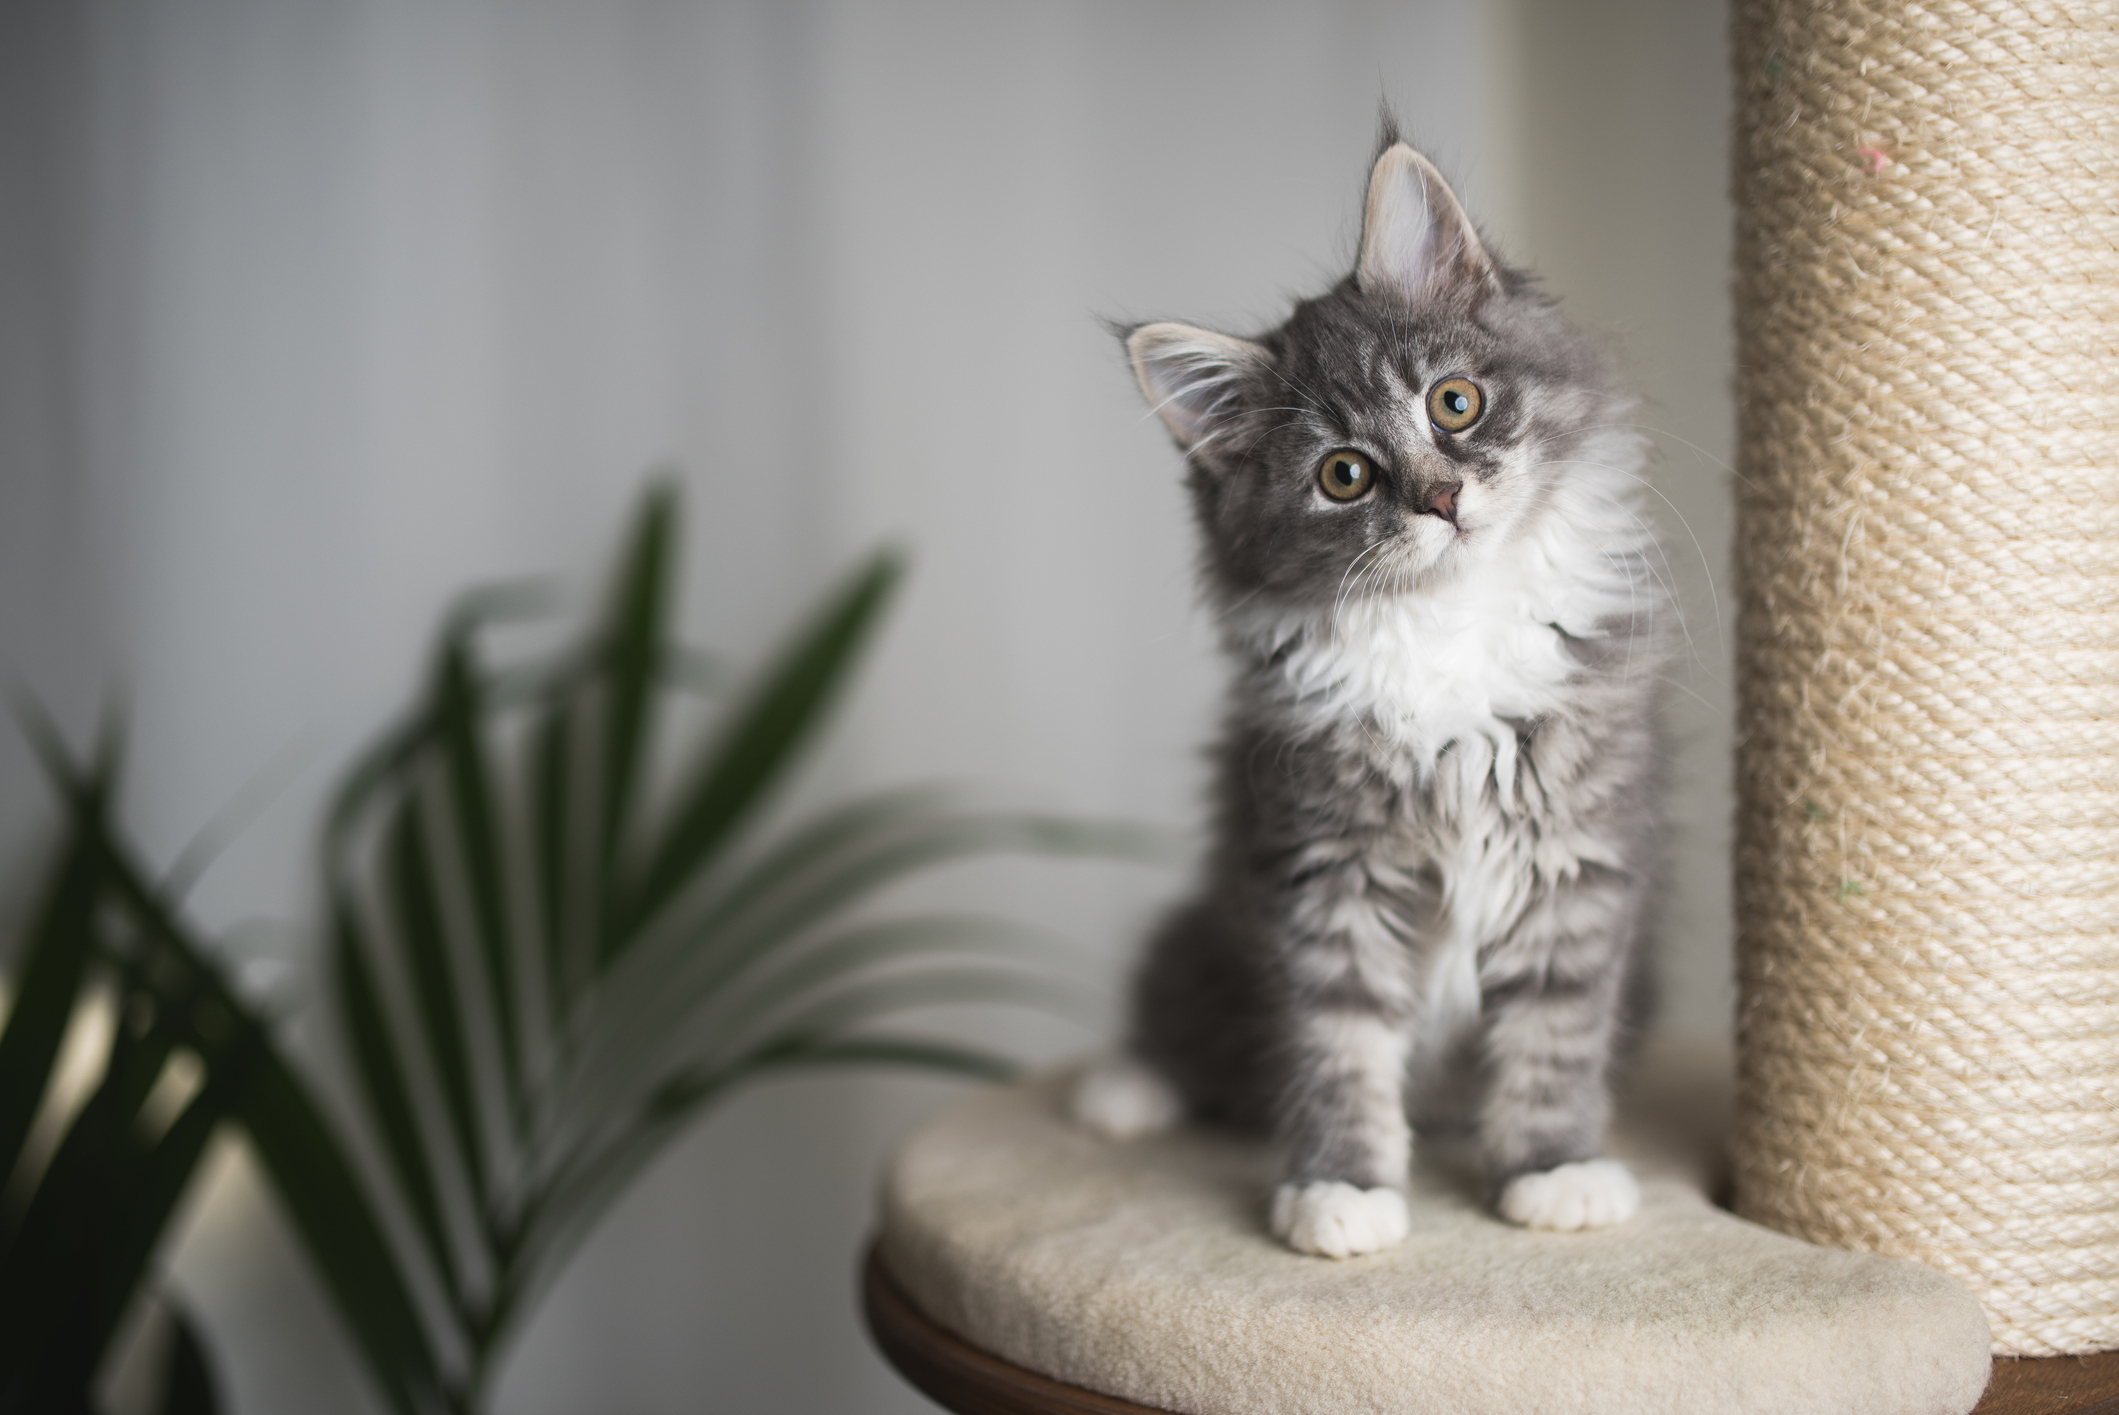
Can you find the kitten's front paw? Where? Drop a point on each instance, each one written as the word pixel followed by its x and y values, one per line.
pixel 1587 1194
pixel 1338 1220
pixel 1121 1099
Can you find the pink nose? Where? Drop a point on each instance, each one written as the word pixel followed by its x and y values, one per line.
pixel 1442 501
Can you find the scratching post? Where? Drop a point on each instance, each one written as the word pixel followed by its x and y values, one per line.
pixel 1928 546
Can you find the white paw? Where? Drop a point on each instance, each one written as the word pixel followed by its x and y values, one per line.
pixel 1121 1099
pixel 1338 1220
pixel 1588 1194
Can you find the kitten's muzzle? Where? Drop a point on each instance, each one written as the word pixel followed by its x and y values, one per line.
pixel 1441 501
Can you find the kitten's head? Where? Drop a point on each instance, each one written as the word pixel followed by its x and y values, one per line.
pixel 1398 429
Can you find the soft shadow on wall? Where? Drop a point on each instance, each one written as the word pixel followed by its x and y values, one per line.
pixel 311 314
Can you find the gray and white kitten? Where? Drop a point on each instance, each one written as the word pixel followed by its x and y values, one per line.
pixel 1437 825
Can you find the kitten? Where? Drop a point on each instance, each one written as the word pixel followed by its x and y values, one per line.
pixel 1421 507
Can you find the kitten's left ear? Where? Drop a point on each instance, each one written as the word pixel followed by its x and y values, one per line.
pixel 1416 241
pixel 1190 377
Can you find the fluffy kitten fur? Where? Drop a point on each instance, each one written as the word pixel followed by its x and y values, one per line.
pixel 1437 816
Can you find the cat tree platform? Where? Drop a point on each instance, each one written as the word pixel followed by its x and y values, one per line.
pixel 1027 1266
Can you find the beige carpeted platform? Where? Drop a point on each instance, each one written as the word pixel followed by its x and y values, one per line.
pixel 1144 1270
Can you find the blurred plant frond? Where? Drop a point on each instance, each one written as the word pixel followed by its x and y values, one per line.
pixel 559 929
pixel 96 1156
pixel 541 971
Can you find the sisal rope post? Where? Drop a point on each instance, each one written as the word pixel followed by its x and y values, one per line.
pixel 1927 866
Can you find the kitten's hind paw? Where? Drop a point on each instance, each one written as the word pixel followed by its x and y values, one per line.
pixel 1120 1099
pixel 1587 1194
pixel 1337 1220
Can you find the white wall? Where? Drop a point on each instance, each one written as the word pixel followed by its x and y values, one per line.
pixel 312 314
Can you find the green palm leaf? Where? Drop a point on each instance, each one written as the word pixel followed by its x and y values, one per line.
pixel 575 1204
pixel 603 1102
pixel 633 638
pixel 777 718
pixel 627 955
pixel 316 1182
pixel 473 812
pixel 411 899
pixel 311 1172
pixel 98 1207
pixel 390 1106
pixel 564 876
pixel 48 976
pixel 187 1383
pixel 846 864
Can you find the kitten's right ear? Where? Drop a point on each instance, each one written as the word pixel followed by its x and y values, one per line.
pixel 1416 241
pixel 1191 376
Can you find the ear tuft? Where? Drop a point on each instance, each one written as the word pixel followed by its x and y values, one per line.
pixel 1386 127
pixel 1416 242
pixel 1190 377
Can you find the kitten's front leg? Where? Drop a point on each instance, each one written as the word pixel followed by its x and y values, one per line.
pixel 1550 1002
pixel 1349 1146
pixel 1342 1113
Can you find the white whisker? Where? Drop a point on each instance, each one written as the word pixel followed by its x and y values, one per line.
pixel 1708 569
pixel 1690 445
pixel 1339 599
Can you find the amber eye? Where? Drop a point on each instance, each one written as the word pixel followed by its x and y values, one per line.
pixel 1345 475
pixel 1455 404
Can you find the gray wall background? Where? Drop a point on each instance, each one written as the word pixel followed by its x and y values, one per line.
pixel 312 314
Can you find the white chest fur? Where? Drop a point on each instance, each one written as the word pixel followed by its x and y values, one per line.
pixel 1462 662
pixel 1461 667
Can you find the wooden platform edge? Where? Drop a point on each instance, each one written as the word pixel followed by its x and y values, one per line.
pixel 962 1378
pixel 956 1374
pixel 2052 1385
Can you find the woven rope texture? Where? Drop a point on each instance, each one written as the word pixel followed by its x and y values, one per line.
pixel 1928 546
